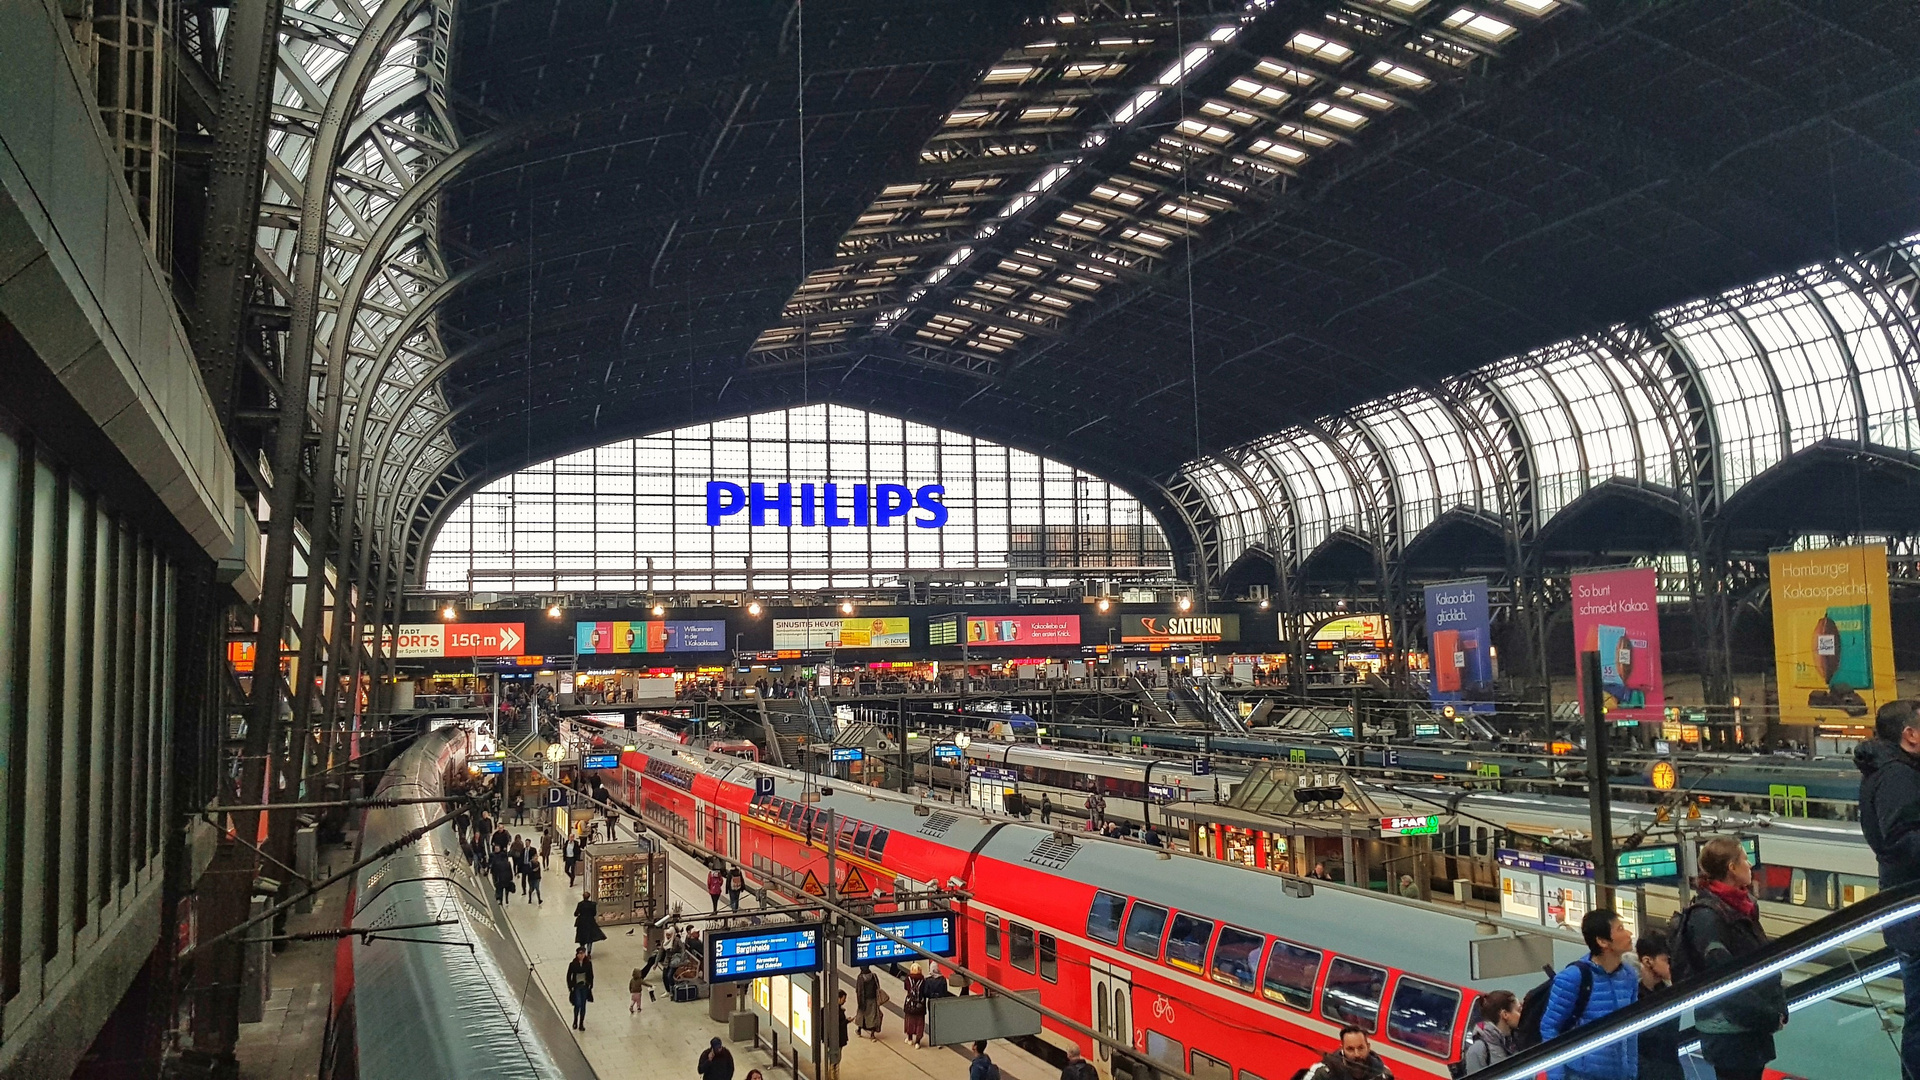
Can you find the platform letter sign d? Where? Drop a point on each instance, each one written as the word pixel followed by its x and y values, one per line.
pixel 762 787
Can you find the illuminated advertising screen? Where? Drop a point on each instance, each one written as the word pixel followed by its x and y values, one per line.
pixel 1615 613
pixel 1832 634
pixel 733 955
pixel 649 637
pixel 1024 630
pixel 841 634
pixel 1168 628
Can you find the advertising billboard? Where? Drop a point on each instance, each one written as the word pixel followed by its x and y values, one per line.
pixel 424 640
pixel 1459 643
pixel 841 634
pixel 1024 630
pixel 1832 638
pixel 1615 614
pixel 649 637
pixel 1153 628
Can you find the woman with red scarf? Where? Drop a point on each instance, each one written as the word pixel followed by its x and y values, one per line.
pixel 1718 929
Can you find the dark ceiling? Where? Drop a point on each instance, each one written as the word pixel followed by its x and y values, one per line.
pixel 1610 160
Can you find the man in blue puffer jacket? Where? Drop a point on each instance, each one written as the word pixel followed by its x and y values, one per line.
pixel 1609 985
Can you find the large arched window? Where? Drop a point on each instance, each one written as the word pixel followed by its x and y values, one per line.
pixel 634 514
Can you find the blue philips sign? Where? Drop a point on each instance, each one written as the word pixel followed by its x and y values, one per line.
pixel 932 932
pixel 821 504
pixel 733 955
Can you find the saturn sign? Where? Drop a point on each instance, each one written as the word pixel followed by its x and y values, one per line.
pixel 880 505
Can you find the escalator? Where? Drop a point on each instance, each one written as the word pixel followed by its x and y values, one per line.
pixel 1843 998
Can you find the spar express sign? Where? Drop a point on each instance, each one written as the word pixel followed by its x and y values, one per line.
pixel 826 505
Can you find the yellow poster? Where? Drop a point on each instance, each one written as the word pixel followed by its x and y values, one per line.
pixel 1832 635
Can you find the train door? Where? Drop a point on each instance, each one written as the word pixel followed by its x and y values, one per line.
pixel 1112 1004
pixel 733 836
pixel 700 826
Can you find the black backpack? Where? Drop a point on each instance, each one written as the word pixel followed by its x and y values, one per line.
pixel 1533 1007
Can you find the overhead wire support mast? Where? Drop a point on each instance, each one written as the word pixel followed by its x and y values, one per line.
pixel 839 909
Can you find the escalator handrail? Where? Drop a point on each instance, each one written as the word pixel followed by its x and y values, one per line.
pixel 1866 917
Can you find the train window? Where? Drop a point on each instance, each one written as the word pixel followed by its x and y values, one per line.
pixel 790 815
pixel 878 844
pixel 1145 924
pixel 860 838
pixel 1353 993
pixel 1049 958
pixel 1235 956
pixel 1187 942
pixel 1164 1049
pixel 993 937
pixel 1103 920
pixel 849 828
pixel 1480 841
pixel 1422 1016
pixel 822 825
pixel 1020 947
pixel 1291 972
pixel 1208 1067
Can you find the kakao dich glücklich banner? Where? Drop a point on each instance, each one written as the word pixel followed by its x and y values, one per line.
pixel 1832 635
pixel 1459 635
pixel 1616 613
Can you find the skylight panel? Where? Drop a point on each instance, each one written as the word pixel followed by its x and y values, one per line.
pixel 1231 115
pixel 968 117
pixel 1145 236
pixel 1278 151
pixel 1485 27
pixel 901 191
pixel 1058 303
pixel 1337 114
pixel 1093 70
pixel 1305 134
pixel 1009 73
pixel 1185 212
pixel 1199 129
pixel 1405 6
pixel 872 218
pixel 1387 71
pixel 1320 48
pixel 1257 92
pixel 1073 219
pixel 1533 7
pixel 1281 73
pixel 1024 269
pixel 943 213
pixel 1042 113
pixel 974 184
pixel 1085 284
pixel 1363 97
pixel 1118 192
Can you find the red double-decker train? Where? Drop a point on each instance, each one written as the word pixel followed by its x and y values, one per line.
pixel 1221 970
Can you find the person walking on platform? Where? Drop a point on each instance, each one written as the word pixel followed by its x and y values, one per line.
pixel 519 809
pixel 716 1062
pixel 546 845
pixel 736 884
pixel 837 1045
pixel 1591 987
pixel 580 986
pixel 1355 1060
pixel 915 1007
pixel 983 1067
pixel 1046 809
pixel 586 923
pixel 570 857
pixel 530 874
pixel 716 882
pixel 500 865
pixel 1889 765
pixel 867 998
pixel 1493 1039
pixel 1717 930
pixel 1078 1067
pixel 1660 1044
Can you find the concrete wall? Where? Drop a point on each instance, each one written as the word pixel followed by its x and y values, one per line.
pixel 81 287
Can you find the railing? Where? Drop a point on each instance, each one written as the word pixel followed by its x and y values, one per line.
pixel 1844 979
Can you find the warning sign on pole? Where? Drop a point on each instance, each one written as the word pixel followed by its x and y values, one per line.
pixel 855 884
pixel 812 886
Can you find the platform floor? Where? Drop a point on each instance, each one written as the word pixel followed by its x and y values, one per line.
pixel 285 1044
pixel 665 1040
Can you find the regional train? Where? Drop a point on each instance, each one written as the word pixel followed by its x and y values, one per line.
pixel 434 1001
pixel 1226 972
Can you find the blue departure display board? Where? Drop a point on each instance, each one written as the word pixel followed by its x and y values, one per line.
pixel 601 761
pixel 733 955
pixel 848 753
pixel 493 765
pixel 932 931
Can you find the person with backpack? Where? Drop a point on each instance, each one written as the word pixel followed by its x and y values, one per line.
pixel 1719 928
pixel 715 884
pixel 983 1067
pixel 736 884
pixel 1354 1060
pixel 1594 986
pixel 1497 1036
pixel 1889 765
pixel 1660 1044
